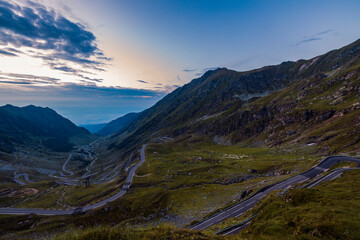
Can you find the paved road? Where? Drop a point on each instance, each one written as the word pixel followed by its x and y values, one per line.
pixel 235 230
pixel 38 211
pixel 125 187
pixel 64 166
pixel 18 175
pixel 240 208
pixel 335 174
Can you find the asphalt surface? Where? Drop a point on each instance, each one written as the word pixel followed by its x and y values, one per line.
pixel 18 175
pixel 38 211
pixel 240 208
pixel 335 174
pixel 236 230
pixel 64 166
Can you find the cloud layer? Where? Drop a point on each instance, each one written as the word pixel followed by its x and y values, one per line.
pixel 60 42
pixel 21 79
pixel 82 104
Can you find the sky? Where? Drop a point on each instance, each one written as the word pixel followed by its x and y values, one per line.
pixel 95 60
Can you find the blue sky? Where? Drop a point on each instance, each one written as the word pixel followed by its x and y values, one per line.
pixel 93 61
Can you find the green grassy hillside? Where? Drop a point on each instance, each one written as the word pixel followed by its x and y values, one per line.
pixel 278 104
pixel 329 211
pixel 233 134
pixel 321 110
pixel 37 126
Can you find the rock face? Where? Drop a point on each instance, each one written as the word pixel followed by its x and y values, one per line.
pixel 37 126
pixel 272 104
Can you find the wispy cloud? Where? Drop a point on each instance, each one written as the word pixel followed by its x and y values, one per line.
pixel 48 35
pixel 210 69
pixel 79 90
pixel 6 53
pixel 315 37
pixel 308 40
pixel 324 32
pixel 15 78
pixel 141 81
pixel 189 70
pixel 80 103
pixel 204 70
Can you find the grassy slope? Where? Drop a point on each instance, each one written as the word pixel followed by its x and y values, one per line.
pixel 192 177
pixel 337 94
pixel 186 180
pixel 211 105
pixel 50 195
pixel 330 210
pixel 183 181
pixel 119 233
pixel 170 193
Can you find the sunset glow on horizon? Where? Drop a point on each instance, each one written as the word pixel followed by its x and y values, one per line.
pixel 114 57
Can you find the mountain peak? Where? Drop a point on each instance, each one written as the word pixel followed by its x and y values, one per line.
pixel 223 90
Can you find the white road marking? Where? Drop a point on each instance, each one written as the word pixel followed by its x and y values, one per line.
pixel 239 214
pixel 235 229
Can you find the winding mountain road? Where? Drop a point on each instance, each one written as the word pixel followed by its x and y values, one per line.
pixel 243 206
pixel 233 211
pixel 64 166
pixel 39 211
pixel 18 175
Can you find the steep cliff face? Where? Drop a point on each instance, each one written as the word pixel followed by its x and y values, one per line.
pixel 273 104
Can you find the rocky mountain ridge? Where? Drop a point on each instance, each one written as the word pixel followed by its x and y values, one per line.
pixel 238 106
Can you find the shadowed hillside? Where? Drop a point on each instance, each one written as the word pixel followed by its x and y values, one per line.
pixel 235 106
pixel 118 125
pixel 36 126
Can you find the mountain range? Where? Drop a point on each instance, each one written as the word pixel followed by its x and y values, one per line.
pixel 37 126
pixel 115 126
pixel 304 101
pixel 118 125
pixel 224 132
pixel 93 128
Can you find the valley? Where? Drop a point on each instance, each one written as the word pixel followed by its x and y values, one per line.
pixel 196 187
pixel 219 156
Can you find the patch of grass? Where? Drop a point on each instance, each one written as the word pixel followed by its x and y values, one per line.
pixel 328 211
pixel 344 165
pixel 194 174
pixel 173 164
pixel 49 194
pixel 184 181
pixel 149 233
pixel 80 195
pixel 14 194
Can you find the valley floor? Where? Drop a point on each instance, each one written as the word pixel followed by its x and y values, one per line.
pixel 329 211
pixel 181 181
